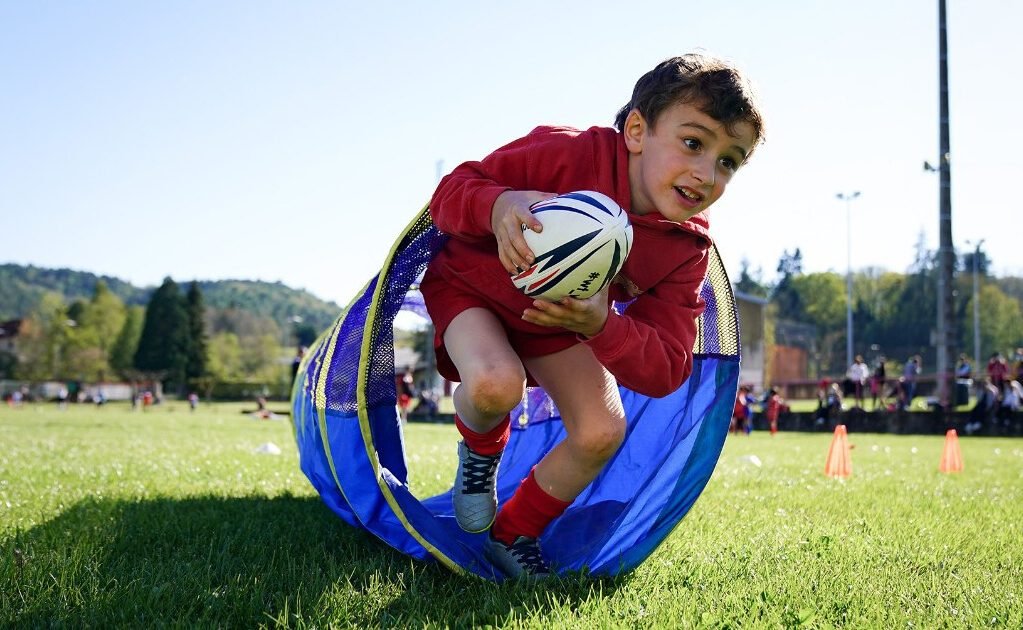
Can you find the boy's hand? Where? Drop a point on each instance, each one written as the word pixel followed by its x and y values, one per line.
pixel 511 211
pixel 586 317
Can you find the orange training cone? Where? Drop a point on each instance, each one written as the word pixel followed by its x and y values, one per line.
pixel 839 464
pixel 951 458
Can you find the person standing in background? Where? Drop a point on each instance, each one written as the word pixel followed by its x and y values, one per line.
pixel 909 374
pixel 858 373
pixel 877 383
pixel 963 368
pixel 997 370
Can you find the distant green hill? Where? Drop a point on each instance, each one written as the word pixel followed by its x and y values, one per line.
pixel 21 288
pixel 274 300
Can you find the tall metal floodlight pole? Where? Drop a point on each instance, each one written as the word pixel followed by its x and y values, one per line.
pixel 848 199
pixel 945 337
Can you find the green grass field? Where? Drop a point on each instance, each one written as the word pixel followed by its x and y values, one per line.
pixel 112 518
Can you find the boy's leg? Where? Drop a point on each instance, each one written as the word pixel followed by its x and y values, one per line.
pixel 493 381
pixel 591 409
pixel 587 397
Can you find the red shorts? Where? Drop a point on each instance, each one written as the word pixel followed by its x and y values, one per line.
pixel 448 292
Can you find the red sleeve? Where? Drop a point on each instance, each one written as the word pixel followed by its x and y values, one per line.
pixel 649 349
pixel 462 204
pixel 544 160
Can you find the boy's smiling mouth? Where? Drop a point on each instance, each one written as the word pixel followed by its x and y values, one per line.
pixel 689 194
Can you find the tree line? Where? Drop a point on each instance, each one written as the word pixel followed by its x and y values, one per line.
pixel 894 314
pixel 174 338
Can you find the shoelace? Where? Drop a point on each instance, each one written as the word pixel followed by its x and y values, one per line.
pixel 478 473
pixel 527 553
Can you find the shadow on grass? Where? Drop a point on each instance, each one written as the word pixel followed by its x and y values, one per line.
pixel 242 562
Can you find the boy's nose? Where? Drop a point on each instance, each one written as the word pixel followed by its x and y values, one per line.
pixel 704 173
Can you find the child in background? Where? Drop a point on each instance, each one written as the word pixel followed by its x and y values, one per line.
pixel 691 124
pixel 772 409
pixel 741 411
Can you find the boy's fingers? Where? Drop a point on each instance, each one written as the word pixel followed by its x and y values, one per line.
pixel 533 223
pixel 523 255
pixel 510 259
pixel 507 251
pixel 528 221
pixel 506 262
pixel 552 309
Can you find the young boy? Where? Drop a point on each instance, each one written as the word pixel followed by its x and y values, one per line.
pixel 691 123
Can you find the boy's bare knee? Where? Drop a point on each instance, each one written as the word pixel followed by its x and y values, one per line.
pixel 496 391
pixel 600 442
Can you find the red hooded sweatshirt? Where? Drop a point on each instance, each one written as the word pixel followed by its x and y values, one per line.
pixel 649 347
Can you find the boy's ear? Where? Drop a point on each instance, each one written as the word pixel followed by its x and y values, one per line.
pixel 634 130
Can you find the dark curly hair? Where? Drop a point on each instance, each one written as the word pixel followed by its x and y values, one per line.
pixel 713 85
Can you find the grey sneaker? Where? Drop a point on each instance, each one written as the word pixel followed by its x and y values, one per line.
pixel 475 493
pixel 522 557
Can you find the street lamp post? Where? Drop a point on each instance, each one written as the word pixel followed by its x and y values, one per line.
pixel 976 305
pixel 848 199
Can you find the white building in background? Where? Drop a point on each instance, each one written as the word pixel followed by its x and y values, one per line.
pixel 752 333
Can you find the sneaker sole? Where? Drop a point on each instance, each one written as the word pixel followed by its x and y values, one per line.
pixel 477 531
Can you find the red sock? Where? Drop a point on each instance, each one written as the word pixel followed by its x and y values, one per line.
pixel 490 443
pixel 527 513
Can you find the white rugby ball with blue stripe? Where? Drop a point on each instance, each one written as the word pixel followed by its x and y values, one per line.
pixel 585 240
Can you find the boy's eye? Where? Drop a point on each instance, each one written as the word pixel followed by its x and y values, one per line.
pixel 692 144
pixel 729 163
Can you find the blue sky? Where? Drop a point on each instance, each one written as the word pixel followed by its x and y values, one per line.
pixel 293 141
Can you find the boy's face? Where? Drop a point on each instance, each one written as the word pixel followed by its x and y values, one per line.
pixel 681 166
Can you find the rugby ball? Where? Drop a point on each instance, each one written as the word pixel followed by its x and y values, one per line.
pixel 585 239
